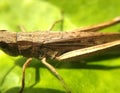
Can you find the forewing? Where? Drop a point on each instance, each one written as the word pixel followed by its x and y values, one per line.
pixel 69 41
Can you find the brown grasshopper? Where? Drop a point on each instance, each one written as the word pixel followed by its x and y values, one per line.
pixel 58 45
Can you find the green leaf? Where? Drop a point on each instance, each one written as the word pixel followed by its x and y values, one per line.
pixel 100 75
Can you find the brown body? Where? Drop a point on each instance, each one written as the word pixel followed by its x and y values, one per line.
pixel 51 44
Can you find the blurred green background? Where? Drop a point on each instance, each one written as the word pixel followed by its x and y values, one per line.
pixel 99 76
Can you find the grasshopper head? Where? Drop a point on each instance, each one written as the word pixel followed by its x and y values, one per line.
pixel 9 48
pixel 8 43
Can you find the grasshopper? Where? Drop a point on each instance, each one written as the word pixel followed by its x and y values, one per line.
pixel 58 45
